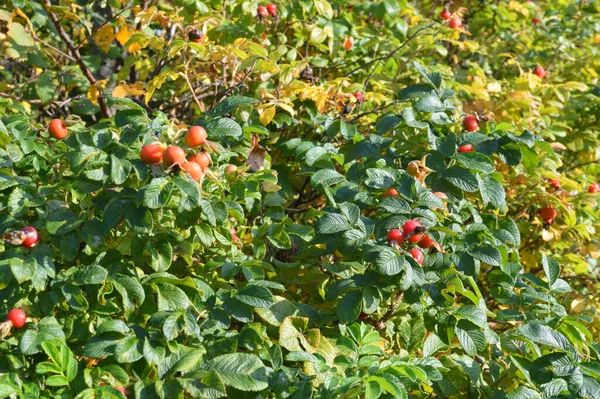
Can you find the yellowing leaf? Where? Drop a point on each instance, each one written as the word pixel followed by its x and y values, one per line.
pixel 575 86
pixel 145 17
pixel 95 90
pixel 104 37
pixel 125 32
pixel 123 90
pixel 267 115
pixel 157 82
pixel 324 8
pixel 287 107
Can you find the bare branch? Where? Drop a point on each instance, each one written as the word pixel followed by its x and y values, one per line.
pixel 76 55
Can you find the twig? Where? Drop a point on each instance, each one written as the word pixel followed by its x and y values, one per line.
pixel 380 324
pixel 51 47
pixel 391 53
pixel 86 71
pixel 6 95
pixel 187 79
pixel 373 111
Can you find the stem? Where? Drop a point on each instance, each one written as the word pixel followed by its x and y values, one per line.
pixel 67 40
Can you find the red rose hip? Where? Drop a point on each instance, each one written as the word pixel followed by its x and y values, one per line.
pixel 417 255
pixel 470 123
pixel 540 72
pixel 262 12
pixel 445 14
pixel 548 214
pixel 17 317
pixel 455 23
pixel 391 192
pixel 193 169
pixel 31 237
pixel 152 153
pixel 195 136
pixel 173 155
pixel 409 231
pixel 426 242
pixel 466 148
pixel 594 188
pixel 202 159
pixel 272 9
pixel 57 129
pixel 395 236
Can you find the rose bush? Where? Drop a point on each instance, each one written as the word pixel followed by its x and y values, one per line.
pixel 301 199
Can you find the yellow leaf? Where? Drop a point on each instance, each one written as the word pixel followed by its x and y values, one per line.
pixel 575 86
pixel 123 90
pixel 267 115
pixel 125 32
pixel 145 17
pixel 104 37
pixel 95 90
pixel 287 107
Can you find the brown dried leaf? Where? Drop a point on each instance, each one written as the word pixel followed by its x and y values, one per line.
pixel 256 157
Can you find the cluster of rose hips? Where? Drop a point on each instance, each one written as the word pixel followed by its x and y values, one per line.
pixel 455 22
pixel 414 233
pixel 196 165
pixel 263 12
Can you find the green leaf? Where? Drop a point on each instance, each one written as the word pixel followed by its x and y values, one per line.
pixel 461 178
pixel 379 178
pixel 491 191
pixel 544 335
pixel 429 104
pixel 118 170
pixel 241 371
pixel 350 306
pixel 471 337
pixel 60 223
pixel 487 254
pixel 188 362
pixel 432 345
pixel 47 328
pixel 332 223
pixel 326 178
pixel 523 392
pixel 389 262
pixel 255 296
pixel 230 104
pixel 474 314
pixel 92 274
pixel 129 350
pixel 551 268
pixel 476 161
pixel 222 127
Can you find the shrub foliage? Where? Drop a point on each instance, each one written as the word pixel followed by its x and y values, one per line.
pixel 277 279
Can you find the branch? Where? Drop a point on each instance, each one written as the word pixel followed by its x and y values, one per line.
pixel 67 40
pixel 380 324
pixel 373 111
pixel 6 95
pixel 391 53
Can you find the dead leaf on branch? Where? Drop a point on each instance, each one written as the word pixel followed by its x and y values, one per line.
pixel 256 156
